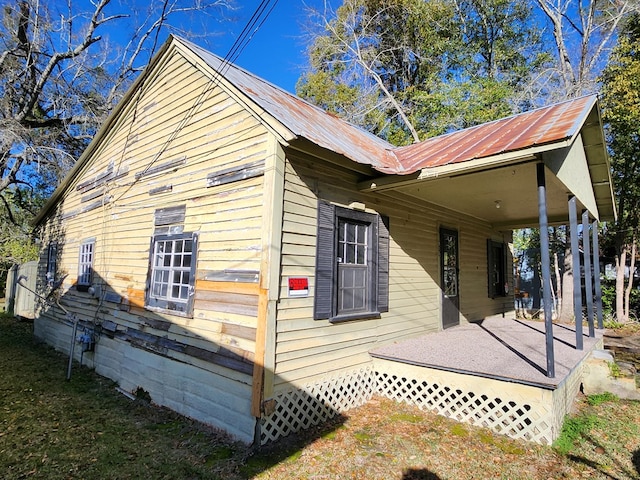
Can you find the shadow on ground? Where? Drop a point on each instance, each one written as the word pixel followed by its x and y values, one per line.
pixel 419 474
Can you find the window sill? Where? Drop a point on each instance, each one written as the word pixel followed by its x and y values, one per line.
pixel 177 313
pixel 354 316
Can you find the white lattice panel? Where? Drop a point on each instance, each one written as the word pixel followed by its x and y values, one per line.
pixel 316 403
pixel 518 411
pixel 508 417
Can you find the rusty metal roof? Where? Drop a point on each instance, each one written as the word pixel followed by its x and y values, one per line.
pixel 300 119
pixel 538 127
pixel 304 119
pixel 543 126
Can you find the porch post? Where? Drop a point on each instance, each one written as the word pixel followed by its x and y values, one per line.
pixel 577 274
pixel 588 285
pixel 596 273
pixel 546 269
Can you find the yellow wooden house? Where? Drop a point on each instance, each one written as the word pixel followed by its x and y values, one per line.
pixel 255 263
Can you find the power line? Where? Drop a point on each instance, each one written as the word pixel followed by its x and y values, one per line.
pixel 254 24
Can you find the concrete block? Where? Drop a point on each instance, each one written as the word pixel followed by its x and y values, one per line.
pixel 597 378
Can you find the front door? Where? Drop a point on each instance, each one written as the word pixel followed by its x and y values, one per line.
pixel 449 278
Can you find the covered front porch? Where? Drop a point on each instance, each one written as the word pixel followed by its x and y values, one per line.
pixel 542 168
pixel 490 374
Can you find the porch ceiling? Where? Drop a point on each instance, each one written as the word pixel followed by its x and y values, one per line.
pixel 512 188
pixel 502 189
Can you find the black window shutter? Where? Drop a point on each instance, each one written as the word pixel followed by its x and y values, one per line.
pixel 490 270
pixel 383 263
pixel 325 262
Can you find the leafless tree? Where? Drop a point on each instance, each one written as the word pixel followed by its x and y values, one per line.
pixel 61 74
pixel 583 32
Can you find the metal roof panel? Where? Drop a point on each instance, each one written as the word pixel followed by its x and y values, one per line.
pixel 538 127
pixel 304 119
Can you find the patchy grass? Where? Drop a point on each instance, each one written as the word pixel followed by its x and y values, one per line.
pixel 84 429
pixel 574 428
pixel 57 429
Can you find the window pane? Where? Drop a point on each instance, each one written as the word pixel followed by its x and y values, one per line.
pixel 351 253
pixel 358 298
pixel 171 272
pixel 353 287
pixel 351 232
pixel 85 264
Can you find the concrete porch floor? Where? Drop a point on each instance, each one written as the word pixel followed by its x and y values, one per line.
pixel 505 349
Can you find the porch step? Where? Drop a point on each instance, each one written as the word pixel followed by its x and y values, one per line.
pixel 602 374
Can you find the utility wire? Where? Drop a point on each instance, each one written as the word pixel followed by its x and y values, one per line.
pixel 246 35
pixel 250 29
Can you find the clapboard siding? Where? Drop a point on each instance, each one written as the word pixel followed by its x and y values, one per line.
pixel 161 152
pixel 309 349
pixel 186 144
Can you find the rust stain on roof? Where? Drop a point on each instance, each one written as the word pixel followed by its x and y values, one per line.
pixel 306 120
pixel 538 127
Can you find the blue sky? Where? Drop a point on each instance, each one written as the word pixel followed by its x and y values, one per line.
pixel 277 51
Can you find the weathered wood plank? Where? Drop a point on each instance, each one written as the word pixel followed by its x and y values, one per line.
pixel 246 288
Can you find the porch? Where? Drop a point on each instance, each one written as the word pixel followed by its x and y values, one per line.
pixel 490 374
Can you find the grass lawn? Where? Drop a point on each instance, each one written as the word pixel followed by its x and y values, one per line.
pixel 51 428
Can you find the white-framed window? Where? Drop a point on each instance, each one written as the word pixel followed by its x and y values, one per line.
pixel 52 263
pixel 85 264
pixel 172 267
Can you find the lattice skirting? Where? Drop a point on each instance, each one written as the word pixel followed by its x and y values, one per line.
pixel 316 403
pixel 518 411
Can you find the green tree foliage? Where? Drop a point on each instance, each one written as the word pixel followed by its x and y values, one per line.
pixel 409 69
pixel 621 113
pixel 18 204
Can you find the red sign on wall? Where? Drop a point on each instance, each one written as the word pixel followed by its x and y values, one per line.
pixel 298 286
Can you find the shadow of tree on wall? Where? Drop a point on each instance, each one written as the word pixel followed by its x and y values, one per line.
pixel 120 328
